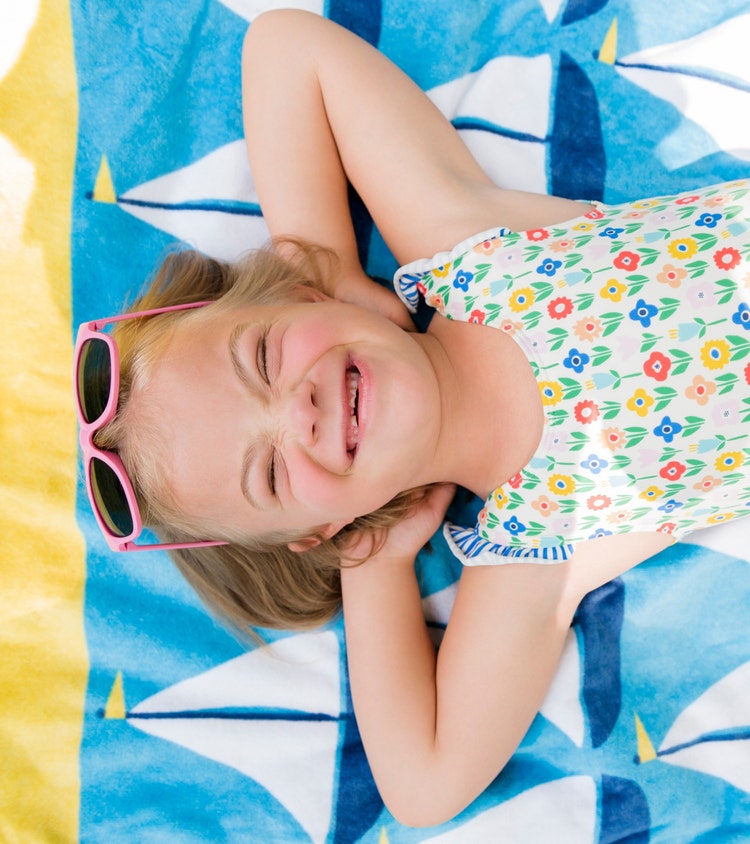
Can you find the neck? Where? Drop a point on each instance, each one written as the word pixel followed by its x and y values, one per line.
pixel 492 416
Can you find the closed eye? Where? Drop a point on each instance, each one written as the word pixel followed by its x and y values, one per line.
pixel 261 357
pixel 271 472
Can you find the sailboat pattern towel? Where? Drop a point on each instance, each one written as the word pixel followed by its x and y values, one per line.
pixel 127 714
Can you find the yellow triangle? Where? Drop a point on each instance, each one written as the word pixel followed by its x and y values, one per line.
pixel 646 752
pixel 383 836
pixel 104 189
pixel 115 707
pixel 608 51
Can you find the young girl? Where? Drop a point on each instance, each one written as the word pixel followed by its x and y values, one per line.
pixel 285 411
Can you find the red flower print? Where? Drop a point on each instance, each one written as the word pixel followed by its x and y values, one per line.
pixel 421 288
pixel 516 481
pixel 666 527
pixel 687 200
pixel 673 471
pixel 596 214
pixel 627 261
pixel 598 502
pixel 657 366
pixel 727 259
pixel 560 308
pixel 586 411
pixel 477 316
pixel 537 234
pixel 747 373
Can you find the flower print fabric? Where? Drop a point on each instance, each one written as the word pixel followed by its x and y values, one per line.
pixel 635 320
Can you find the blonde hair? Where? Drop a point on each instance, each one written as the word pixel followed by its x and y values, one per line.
pixel 249 582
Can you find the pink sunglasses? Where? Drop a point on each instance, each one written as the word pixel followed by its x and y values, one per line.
pixel 96 379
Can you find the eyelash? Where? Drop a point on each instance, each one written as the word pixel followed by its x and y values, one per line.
pixel 262 357
pixel 271 473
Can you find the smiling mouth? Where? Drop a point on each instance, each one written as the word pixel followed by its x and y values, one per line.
pixel 352 392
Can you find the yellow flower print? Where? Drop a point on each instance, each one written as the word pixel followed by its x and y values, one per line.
pixel 613 290
pixel 500 498
pixel 651 493
pixel 700 390
pixel 728 461
pixel 442 272
pixel 551 392
pixel 646 203
pixel 715 354
pixel 545 505
pixel 583 227
pixel 561 484
pixel 718 518
pixel 522 299
pixel 640 402
pixel 682 248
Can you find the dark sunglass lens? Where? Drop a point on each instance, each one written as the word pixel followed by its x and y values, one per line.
pixel 94 378
pixel 110 499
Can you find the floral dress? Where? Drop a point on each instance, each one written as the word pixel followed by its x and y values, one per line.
pixel 635 321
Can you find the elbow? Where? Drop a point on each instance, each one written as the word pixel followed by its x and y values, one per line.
pixel 417 809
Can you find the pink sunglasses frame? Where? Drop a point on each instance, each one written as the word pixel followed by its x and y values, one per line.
pixel 93 330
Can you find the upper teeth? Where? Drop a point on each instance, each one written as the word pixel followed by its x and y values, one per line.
pixel 352 388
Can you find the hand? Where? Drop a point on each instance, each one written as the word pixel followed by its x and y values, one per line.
pixel 404 540
pixel 359 289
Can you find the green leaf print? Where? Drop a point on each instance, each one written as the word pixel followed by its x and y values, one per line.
pixel 740 346
pixel 556 337
pixel 635 283
pixel 727 289
pixel 746 413
pixel 611 320
pixel 556 417
pixel 532 252
pixel 621 461
pixel 492 521
pixel 571 388
pixel 583 301
pixel 705 241
pixel 610 409
pixel 681 361
pixel 600 355
pixel 666 394
pixel 696 268
pixel 635 435
pixel 732 211
pixel 542 289
pixel 649 341
pixel 694 467
pixel 669 306
pixel 648 256
pixel 578 440
pixel 726 382
pixel 692 424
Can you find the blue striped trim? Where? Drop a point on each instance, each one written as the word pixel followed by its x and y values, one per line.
pixel 472 545
pixel 407 289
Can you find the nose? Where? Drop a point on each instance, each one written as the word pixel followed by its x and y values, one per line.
pixel 301 413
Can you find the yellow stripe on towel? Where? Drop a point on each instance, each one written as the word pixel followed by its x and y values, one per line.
pixel 43 668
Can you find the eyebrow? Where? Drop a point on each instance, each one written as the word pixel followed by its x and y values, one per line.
pixel 244 376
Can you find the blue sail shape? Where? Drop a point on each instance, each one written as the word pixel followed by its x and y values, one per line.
pixel 624 813
pixel 577 10
pixel 577 160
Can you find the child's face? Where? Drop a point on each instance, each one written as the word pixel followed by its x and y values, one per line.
pixel 294 418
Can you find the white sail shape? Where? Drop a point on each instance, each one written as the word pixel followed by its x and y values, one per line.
pixel 295 760
pixel 729 538
pixel 561 812
pixel 551 8
pixel 16 21
pixel 562 705
pixel 250 9
pixel 522 108
pixel 723 707
pixel 222 176
pixel 706 77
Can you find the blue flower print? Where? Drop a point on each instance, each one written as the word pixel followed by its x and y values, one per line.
pixel 742 317
pixel 708 220
pixel 549 267
pixel 576 360
pixel 643 313
pixel 611 232
pixel 668 429
pixel 462 280
pixel 594 464
pixel 514 527
pixel 600 532
pixel 670 506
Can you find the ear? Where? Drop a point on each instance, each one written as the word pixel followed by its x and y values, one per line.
pixel 305 293
pixel 312 541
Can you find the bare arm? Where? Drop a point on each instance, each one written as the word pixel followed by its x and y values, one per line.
pixel 321 105
pixel 438 728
